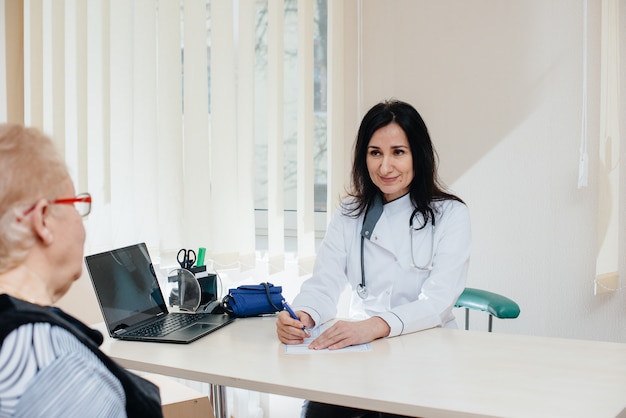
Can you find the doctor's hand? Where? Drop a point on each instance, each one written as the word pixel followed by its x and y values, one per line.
pixel 345 333
pixel 289 330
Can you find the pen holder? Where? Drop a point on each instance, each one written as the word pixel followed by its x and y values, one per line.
pixel 208 283
pixel 184 290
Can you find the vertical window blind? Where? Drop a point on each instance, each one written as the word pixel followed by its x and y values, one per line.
pixel 180 117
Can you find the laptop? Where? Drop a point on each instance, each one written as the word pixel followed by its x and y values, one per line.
pixel 132 303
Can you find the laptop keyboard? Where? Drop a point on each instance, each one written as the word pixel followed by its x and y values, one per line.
pixel 170 323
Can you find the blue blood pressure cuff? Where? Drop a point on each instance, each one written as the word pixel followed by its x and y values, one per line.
pixel 253 300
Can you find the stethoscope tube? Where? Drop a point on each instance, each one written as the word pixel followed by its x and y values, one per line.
pixel 429 266
pixel 361 288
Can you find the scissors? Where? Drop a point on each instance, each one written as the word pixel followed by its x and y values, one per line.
pixel 186 258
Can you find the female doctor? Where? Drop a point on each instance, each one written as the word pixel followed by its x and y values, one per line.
pixel 400 241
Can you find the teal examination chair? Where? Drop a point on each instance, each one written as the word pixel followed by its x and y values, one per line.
pixel 491 303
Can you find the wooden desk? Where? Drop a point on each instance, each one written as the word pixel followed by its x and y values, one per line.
pixel 434 373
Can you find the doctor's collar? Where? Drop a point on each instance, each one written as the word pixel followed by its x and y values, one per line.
pixel 397 198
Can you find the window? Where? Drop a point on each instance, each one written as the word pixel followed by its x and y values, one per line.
pixel 186 120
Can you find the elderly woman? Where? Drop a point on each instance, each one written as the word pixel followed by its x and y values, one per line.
pixel 50 364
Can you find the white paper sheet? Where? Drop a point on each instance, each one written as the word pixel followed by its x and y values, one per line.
pixel 315 332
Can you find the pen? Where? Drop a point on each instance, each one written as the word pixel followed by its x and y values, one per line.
pixel 293 314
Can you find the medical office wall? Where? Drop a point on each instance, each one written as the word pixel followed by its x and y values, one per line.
pixel 503 87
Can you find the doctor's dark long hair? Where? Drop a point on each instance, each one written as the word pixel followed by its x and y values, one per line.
pixel 425 187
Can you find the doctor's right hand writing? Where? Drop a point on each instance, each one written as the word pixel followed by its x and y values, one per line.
pixel 290 330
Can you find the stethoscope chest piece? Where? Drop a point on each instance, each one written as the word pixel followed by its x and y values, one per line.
pixel 361 290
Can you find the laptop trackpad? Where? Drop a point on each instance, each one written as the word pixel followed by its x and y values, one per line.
pixel 215 319
pixel 192 330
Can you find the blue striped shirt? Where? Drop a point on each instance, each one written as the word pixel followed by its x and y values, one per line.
pixel 46 371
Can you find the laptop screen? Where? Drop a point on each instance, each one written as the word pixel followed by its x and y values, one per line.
pixel 126 286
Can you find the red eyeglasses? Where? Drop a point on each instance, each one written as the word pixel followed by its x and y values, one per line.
pixel 81 202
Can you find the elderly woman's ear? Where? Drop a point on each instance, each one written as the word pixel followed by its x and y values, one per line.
pixel 39 222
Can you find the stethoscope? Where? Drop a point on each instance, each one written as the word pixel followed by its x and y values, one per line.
pixel 372 215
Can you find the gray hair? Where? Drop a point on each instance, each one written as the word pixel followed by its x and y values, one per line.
pixel 32 169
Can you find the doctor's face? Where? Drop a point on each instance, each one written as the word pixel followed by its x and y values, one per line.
pixel 389 161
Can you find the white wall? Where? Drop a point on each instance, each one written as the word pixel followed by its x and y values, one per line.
pixel 499 84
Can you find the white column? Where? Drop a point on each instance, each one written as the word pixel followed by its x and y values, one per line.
pixel 197 213
pixel 245 47
pixel 224 155
pixel 144 127
pixel 607 264
pixel 305 151
pixel 275 140
pixel 169 135
pixel 122 120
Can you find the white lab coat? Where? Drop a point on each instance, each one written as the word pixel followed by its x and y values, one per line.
pixel 407 298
